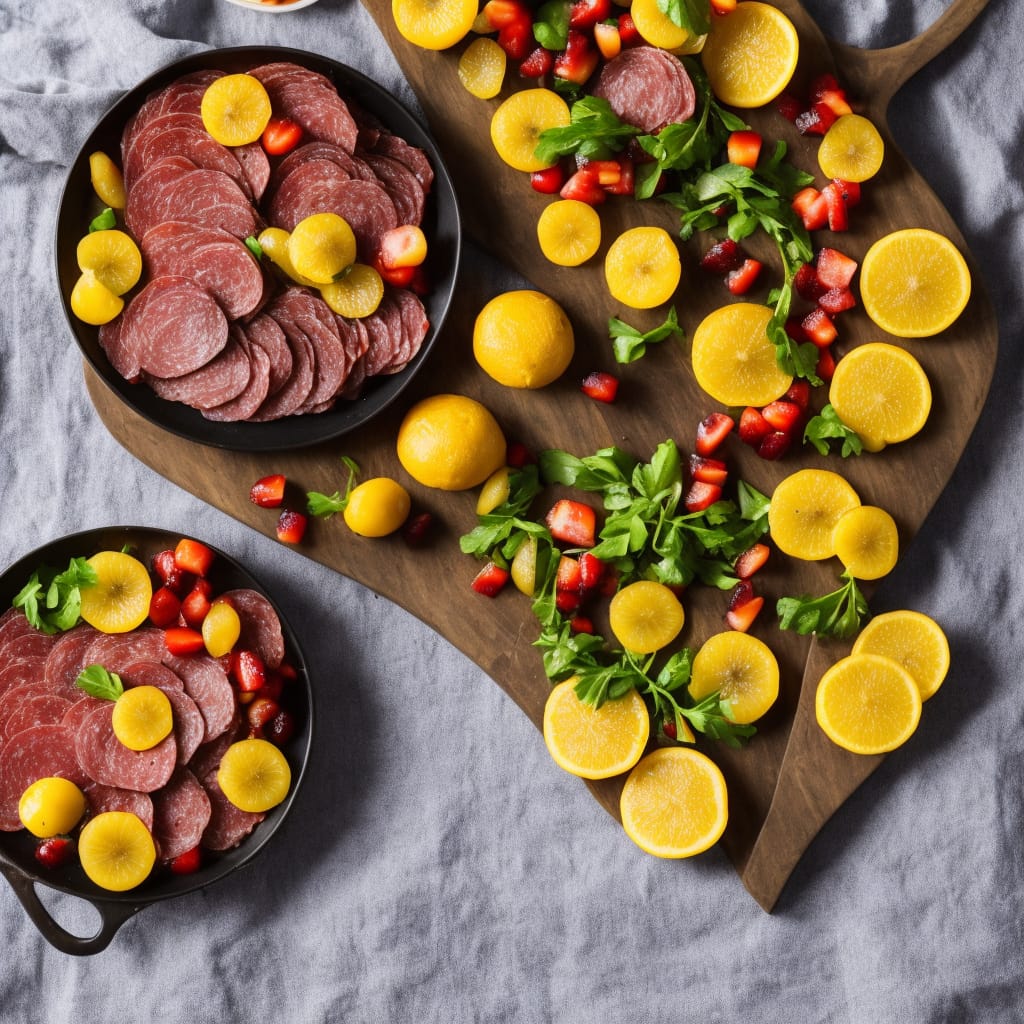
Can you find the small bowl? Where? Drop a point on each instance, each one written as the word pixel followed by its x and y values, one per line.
pixel 441 224
pixel 270 7
pixel 17 860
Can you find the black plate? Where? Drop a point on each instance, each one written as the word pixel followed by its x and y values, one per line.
pixel 441 225
pixel 17 860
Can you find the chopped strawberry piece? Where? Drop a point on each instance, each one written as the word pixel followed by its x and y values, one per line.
pixel 836 300
pixel 743 148
pixel 490 580
pixel 549 180
pixel 164 607
pixel 712 431
pixel 701 496
pixel 838 216
pixel 722 257
pixel 249 670
pixel 592 571
pixel 775 444
pixel 416 529
pixel 826 89
pixel 500 13
pixel 537 63
pixel 820 84
pixel 628 32
pixel 280 729
pixel 610 583
pixel 782 415
pixel 806 282
pixel 567 601
pixel 834 269
pixel 586 14
pixel 193 556
pixel 819 328
pixel 817 120
pixel 54 851
pixel 518 455
pixel 723 6
pixel 709 471
pixel 272 688
pixel 600 386
pixel 576 63
pixel 751 560
pixel 789 106
pixel 669 729
pixel 754 428
pixel 850 190
pixel 569 576
pixel 195 607
pixel 268 491
pixel 826 365
pixel 516 38
pixel 572 522
pixel 581 624
pixel 744 607
pixel 740 281
pixel 187 863
pixel 794 329
pixel 811 207
pixel 291 526
pixel 182 641
pixel 399 277
pixel 799 393
pixel 403 246
pixel 608 39
pixel 625 182
pixel 584 187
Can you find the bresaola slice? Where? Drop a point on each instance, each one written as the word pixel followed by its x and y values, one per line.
pixel 220 380
pixel 34 754
pixel 181 812
pixel 647 87
pixel 106 760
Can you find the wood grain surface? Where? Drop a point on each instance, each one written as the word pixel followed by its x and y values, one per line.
pixel 789 780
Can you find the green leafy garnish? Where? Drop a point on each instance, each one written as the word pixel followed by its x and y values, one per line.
pixel 839 614
pixel 629 344
pixel 98 682
pixel 694 16
pixel 594 132
pixel 254 247
pixel 499 533
pixel 52 600
pixel 826 427
pixel 325 505
pixel 551 25
pixel 103 221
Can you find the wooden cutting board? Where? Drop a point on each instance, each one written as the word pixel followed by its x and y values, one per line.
pixel 789 780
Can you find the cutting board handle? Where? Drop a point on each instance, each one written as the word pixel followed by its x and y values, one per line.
pixel 880 73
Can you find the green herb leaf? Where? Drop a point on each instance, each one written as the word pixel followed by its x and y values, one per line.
pixel 594 132
pixel 629 344
pixel 694 16
pixel 839 614
pixel 254 247
pixel 103 221
pixel 98 682
pixel 52 600
pixel 325 505
pixel 506 523
pixel 826 427
pixel 713 717
pixel 551 24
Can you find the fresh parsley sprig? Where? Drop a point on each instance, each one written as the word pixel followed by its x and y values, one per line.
pixel 629 344
pixel 52 600
pixel 551 25
pixel 839 614
pixel 694 16
pixel 825 427
pixel 499 533
pixel 96 681
pixel 326 505
pixel 594 132
pixel 103 221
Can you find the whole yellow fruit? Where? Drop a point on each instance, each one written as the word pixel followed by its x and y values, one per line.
pixel 377 507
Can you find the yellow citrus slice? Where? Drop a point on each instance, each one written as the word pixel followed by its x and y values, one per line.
pixel 116 850
pixel 868 704
pixel 912 639
pixel 321 246
pixel 881 392
pixel 518 122
pixel 733 358
pixel 674 803
pixel 142 717
pixel 569 232
pixel 254 775
pixel 482 68
pixel 523 339
pixel 914 283
pixel 852 149
pixel 93 302
pixel 51 807
pixel 645 616
pixel 494 492
pixel 107 180
pixel 450 442
pixel 357 294
pixel 377 507
pixel 804 510
pixel 595 743
pixel 235 109
pixel 642 267
pixel 113 257
pixel 274 243
pixel 743 670
pixel 434 24
pixel 221 629
pixel 524 567
pixel 750 54
pixel 658 29
pixel 867 542
pixel 118 601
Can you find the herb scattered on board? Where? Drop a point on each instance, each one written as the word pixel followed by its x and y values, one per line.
pixel 594 132
pixel 629 344
pixel 827 427
pixel 103 221
pixel 326 505
pixel 839 614
pixel 98 682
pixel 52 600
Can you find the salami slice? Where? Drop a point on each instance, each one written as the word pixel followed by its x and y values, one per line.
pixel 314 318
pixel 79 711
pixel 43 709
pixel 111 798
pixel 121 357
pixel 65 660
pixel 384 326
pixel 245 404
pixel 228 824
pixel 184 95
pixel 105 759
pixel 261 626
pixel 208 757
pixel 208 685
pixel 189 724
pixel 255 168
pixel 29 645
pixel 289 397
pixel 181 812
pixel 117 652
pixel 223 378
pixel 401 184
pixel 353 166
pixel 414 328
pixel 34 754
pixel 13 623
pixel 21 672
pixel 263 331
pixel 394 146
pixel 647 87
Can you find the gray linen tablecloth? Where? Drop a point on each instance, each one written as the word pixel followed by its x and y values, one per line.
pixel 437 866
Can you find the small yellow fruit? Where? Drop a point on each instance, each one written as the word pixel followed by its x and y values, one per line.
pixel 377 507
pixel 658 29
pixel 112 257
pixel 118 601
pixel 93 302
pixel 852 149
pixel 116 850
pixel 482 68
pixel 321 246
pixel 645 616
pixel 743 670
pixel 254 775
pixel 517 124
pixel 235 109
pixel 274 243
pixel 221 629
pixel 804 510
pixel 51 807
pixel 642 268
pixel 142 717
pixel 867 542
pixel 434 24
pixel 494 492
pixel 569 232
pixel 357 294
pixel 524 567
pixel 107 180
pixel 911 639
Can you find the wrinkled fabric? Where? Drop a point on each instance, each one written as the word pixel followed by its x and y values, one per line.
pixel 437 866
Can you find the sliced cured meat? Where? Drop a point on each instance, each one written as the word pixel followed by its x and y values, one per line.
pixel 34 754
pixel 223 378
pixel 64 662
pixel 208 757
pixel 414 328
pixel 29 645
pixel 255 168
pixel 184 95
pixel 309 186
pixel 43 709
pixel 228 825
pixel 13 623
pixel 401 184
pixel 212 259
pixel 314 317
pixel 172 327
pixel 79 711
pixel 208 685
pixel 189 724
pixel 261 626
pixel 121 358
pixel 647 87
pixel 18 673
pixel 263 331
pixel 295 390
pixel 105 759
pixel 13 698
pixel 245 404
pixel 352 165
pixel 181 812
pixel 384 326
pixel 111 798
pixel 117 652
pixel 394 146
pixel 309 99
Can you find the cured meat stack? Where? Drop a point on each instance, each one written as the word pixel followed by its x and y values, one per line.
pixel 212 328
pixel 48 726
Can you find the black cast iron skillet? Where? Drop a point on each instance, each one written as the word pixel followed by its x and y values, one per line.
pixel 17 860
pixel 79 204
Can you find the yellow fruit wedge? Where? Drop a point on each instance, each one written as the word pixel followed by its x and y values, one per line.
pixel 221 629
pixel 254 775
pixel 357 294
pixel 321 246
pixel 642 267
pixel 804 510
pixel 913 640
pixel 914 283
pixel 118 601
pixel 51 807
pixel 750 54
pixel 733 358
pixel 494 492
pixel 434 24
pixel 235 109
pixel 744 671
pixel 112 257
pixel 274 243
pixel 517 124
pixel 595 743
pixel 867 542
pixel 569 232
pixel 107 180
pixel 868 704
pixel 852 149
pixel 645 616
pixel 142 717
pixel 116 850
pixel 93 302
pixel 881 392
pixel 482 68
pixel 674 803
pixel 524 567
pixel 658 29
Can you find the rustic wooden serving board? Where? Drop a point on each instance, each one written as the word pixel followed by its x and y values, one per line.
pixel 790 779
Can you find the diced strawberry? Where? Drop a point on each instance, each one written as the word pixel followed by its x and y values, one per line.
pixel 610 583
pixel 817 120
pixel 608 39
pixel 723 257
pixel 193 556
pixel 834 269
pixel 794 330
pixel 516 38
pixel 586 14
pixel 806 282
pixel 268 491
pixel 723 6
pixel 399 277
pixel 669 729
pixel 826 365
pixel 701 496
pixel 584 187
pixel 811 207
pixel 569 576
pixel 500 13
pixel 744 607
pixel 576 63
pixel 537 63
pixel 850 190
pixel 743 148
pixel 187 863
pixel 549 180
pixel 838 216
pixel 518 455
pixel 402 246
pixel 751 560
pixel 754 428
pixel 567 601
pixel 280 729
pixel 572 522
pixel 182 641
pixel 789 106
pixel 708 471
pixel 826 89
pixel 604 172
pixel 820 84
pixel 775 444
pixel 249 670
pixel 600 386
pixel 272 688
pixel 195 607
pixel 625 183
pixel 819 328
pixel 740 281
pixel 782 415
pixel 799 393
pixel 54 851
pixel 164 607
pixel 490 580
pixel 416 529
pixel 592 571
pixel 291 526
pixel 712 431
pixel 836 300
pixel 581 624
pixel 628 32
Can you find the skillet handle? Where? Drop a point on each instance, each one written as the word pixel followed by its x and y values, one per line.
pixel 112 916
